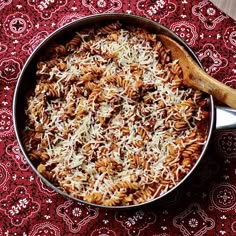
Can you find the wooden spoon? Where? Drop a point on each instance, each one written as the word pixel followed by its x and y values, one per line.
pixel 194 76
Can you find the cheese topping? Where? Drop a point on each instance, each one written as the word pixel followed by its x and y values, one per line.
pixel 115 125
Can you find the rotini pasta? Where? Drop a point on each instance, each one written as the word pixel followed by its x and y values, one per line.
pixel 110 121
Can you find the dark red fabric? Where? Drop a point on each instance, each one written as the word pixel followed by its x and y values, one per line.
pixel 203 205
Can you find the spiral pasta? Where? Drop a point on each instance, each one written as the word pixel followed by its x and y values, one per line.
pixel 110 120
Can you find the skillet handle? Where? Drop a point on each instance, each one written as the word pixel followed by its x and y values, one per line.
pixel 225 118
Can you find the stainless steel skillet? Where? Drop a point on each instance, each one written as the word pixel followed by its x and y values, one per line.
pixel 26 83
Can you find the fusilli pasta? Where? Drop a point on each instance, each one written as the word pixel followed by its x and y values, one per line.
pixel 110 120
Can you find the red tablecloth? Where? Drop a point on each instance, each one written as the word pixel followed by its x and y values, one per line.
pixel 204 205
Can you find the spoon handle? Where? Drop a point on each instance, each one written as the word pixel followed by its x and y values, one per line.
pixel 194 76
pixel 201 80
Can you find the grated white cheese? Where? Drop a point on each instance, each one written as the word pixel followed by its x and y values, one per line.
pixel 80 137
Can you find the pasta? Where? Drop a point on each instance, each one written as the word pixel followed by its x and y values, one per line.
pixel 110 121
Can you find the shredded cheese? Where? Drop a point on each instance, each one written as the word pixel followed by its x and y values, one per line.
pixel 94 143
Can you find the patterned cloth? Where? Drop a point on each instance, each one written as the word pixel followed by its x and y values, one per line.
pixel 204 205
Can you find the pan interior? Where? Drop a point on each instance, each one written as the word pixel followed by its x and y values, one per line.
pixel 26 81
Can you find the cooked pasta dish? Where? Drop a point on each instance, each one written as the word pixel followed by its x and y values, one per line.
pixel 110 121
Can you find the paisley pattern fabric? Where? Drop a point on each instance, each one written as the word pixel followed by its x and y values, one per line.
pixel 204 205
